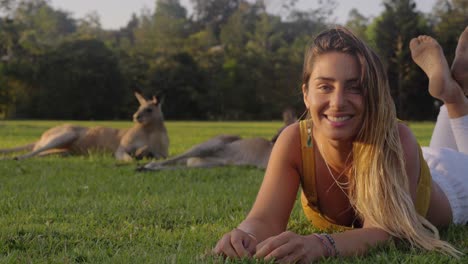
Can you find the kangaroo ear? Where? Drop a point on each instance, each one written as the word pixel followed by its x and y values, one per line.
pixel 161 95
pixel 139 97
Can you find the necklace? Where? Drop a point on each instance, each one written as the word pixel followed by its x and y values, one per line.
pixel 342 186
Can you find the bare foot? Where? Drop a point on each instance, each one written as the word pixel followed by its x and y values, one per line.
pixel 460 63
pixel 428 55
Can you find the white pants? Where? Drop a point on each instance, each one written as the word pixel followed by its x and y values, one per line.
pixel 447 157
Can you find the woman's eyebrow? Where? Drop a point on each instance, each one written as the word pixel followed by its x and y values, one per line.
pixel 322 78
pixel 354 80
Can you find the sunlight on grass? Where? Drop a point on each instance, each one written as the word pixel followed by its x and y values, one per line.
pixel 91 209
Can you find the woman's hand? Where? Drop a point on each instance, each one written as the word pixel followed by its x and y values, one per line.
pixel 289 247
pixel 236 244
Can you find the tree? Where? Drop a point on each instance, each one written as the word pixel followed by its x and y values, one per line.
pixel 214 13
pixel 164 31
pixel 89 27
pixel 391 33
pixel 79 80
pixel 179 79
pixel 41 26
pixel 450 17
pixel 357 23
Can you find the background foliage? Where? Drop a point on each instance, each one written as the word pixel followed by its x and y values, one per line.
pixel 226 60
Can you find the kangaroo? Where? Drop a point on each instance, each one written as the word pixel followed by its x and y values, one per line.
pixel 147 138
pixel 224 150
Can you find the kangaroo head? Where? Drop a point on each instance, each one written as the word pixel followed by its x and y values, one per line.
pixel 289 116
pixel 149 111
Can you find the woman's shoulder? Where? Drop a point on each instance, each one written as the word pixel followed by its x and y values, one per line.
pixel 407 137
pixel 291 134
pixel 288 145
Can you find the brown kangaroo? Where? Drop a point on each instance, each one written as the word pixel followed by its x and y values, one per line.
pixel 224 150
pixel 147 138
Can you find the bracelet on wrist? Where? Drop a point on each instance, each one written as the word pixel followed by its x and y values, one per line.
pixel 327 248
pixel 332 242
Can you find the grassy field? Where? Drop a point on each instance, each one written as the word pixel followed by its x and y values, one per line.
pixel 91 210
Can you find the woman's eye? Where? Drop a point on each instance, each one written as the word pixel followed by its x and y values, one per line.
pixel 324 88
pixel 355 89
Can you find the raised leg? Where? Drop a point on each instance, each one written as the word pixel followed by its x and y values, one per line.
pixel 442 136
pixel 427 53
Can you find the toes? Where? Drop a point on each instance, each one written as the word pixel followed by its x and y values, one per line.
pixel 414 43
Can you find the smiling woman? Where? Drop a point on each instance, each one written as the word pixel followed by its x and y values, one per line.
pixel 363 174
pixel 334 97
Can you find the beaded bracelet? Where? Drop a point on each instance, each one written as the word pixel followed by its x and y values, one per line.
pixel 332 242
pixel 324 244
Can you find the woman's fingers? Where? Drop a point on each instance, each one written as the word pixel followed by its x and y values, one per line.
pixel 239 242
pixel 283 254
pixel 224 247
pixel 287 247
pixel 251 246
pixel 235 244
pixel 269 245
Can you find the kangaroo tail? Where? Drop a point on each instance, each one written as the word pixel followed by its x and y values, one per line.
pixel 21 148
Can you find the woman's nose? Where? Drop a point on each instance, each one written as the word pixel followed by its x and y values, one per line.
pixel 337 98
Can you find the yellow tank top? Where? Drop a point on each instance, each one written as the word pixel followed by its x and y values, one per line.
pixel 309 197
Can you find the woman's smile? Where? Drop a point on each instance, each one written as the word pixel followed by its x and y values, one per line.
pixel 334 96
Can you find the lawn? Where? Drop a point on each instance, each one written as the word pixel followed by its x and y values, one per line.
pixel 93 210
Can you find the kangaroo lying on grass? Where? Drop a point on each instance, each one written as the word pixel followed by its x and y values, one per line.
pixel 224 150
pixel 147 138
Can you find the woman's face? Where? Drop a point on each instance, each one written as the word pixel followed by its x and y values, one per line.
pixel 334 96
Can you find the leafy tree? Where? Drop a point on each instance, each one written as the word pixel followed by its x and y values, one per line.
pixel 214 13
pixel 89 27
pixel 41 26
pixel 78 80
pixel 4 93
pixel 180 81
pixel 450 17
pixel 357 23
pixel 164 31
pixel 391 33
pixel 230 60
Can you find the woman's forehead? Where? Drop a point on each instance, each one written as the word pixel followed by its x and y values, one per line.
pixel 335 65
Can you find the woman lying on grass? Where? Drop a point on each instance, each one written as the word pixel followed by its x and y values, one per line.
pixel 363 174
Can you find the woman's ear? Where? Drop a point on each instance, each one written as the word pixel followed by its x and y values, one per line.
pixel 305 95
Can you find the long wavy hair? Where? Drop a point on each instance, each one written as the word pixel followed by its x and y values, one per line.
pixel 379 186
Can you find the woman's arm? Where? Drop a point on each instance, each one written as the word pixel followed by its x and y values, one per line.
pixel 270 213
pixel 359 241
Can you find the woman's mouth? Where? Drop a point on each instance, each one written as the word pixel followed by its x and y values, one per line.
pixel 338 118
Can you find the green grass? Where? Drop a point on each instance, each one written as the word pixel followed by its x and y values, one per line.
pixel 91 210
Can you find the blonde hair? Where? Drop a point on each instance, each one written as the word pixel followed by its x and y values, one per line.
pixel 379 186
